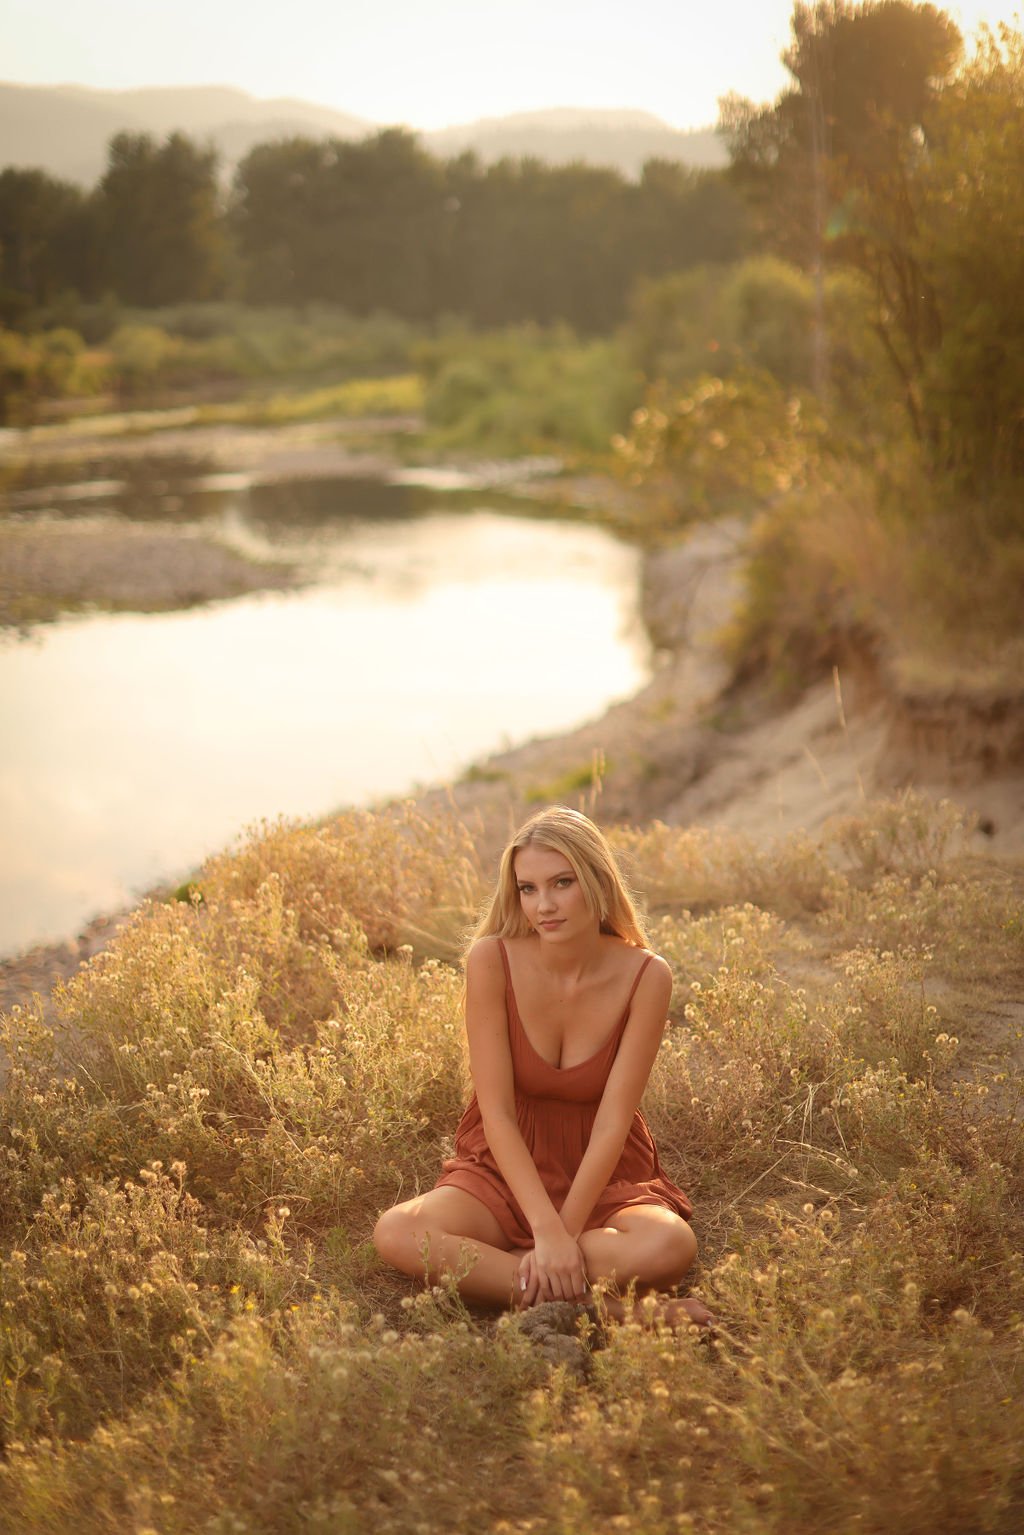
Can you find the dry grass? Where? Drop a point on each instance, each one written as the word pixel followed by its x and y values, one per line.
pixel 931 579
pixel 198 1336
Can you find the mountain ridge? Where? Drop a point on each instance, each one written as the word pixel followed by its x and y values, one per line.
pixel 64 129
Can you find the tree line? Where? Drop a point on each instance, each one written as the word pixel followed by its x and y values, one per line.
pixel 378 224
pixel 891 158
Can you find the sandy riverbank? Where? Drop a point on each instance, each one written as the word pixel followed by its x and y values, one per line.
pixel 695 748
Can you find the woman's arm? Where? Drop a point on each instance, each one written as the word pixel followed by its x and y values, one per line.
pixel 557 1257
pixel 627 1080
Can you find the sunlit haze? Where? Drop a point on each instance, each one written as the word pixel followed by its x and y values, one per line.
pixel 401 61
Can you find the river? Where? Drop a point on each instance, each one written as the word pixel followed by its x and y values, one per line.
pixel 424 638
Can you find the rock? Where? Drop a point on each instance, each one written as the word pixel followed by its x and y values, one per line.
pixel 554 1328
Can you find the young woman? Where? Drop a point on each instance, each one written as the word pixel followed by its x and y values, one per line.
pixel 555 1182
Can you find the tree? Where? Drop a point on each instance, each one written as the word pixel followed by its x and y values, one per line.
pixel 280 220
pixel 46 244
pixel 360 224
pixel 162 232
pixel 828 165
pixel 968 195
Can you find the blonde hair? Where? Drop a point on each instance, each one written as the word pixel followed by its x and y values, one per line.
pixel 572 834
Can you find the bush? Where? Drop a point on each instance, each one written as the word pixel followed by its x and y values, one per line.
pixel 758 316
pixel 899 567
pixel 138 353
pixel 33 368
pixel 726 445
pixel 523 391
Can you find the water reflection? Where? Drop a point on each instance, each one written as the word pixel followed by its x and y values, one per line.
pixel 137 744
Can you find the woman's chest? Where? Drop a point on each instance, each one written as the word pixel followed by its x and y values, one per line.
pixel 567 1030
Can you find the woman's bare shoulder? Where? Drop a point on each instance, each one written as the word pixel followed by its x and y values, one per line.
pixel 484 956
pixel 631 960
pixel 630 956
pixel 658 970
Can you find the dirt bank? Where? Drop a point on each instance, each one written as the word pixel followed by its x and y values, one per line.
pixel 691 748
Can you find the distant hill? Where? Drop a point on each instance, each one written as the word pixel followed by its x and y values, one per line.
pixel 624 139
pixel 65 129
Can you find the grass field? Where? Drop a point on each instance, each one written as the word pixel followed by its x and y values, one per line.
pixel 197 1333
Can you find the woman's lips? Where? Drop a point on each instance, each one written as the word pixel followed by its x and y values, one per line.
pixel 554 922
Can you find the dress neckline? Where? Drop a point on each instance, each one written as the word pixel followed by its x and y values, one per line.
pixel 566 1070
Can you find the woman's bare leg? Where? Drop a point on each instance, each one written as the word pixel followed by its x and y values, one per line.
pixel 653 1247
pixel 458 1235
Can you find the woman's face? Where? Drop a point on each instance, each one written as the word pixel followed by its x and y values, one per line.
pixel 550 894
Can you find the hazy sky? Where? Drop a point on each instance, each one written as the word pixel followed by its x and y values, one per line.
pixel 426 63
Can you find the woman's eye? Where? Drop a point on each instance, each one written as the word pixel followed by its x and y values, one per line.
pixel 565 880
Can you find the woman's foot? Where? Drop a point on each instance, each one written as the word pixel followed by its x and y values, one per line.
pixel 688 1311
pixel 674 1312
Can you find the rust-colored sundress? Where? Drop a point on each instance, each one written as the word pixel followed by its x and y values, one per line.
pixel 555 1111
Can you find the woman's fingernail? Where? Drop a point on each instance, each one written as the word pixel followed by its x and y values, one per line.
pixel 522 1284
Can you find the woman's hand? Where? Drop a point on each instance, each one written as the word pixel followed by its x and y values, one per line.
pixel 553 1269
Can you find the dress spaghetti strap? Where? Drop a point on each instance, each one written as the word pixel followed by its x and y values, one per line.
pixel 636 981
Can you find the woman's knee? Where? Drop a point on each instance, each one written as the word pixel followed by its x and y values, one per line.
pixel 394 1237
pixel 652 1249
pixel 410 1235
pixel 680 1248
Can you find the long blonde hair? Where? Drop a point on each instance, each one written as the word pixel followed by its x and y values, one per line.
pixel 572 834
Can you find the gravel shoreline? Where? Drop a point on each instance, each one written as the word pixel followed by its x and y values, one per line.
pixel 50 566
